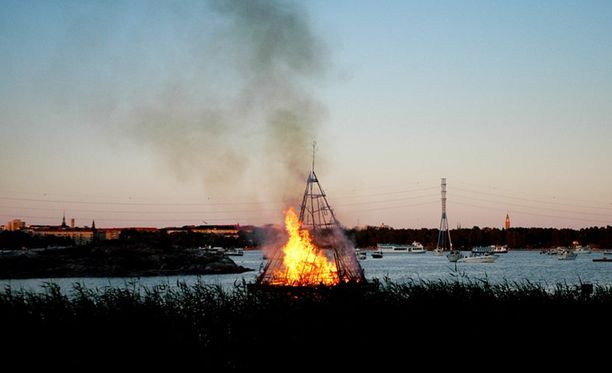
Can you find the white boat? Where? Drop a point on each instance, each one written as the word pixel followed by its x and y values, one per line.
pixel 501 249
pixel 416 248
pixel 483 249
pixel 413 248
pixel 480 254
pixel 579 249
pixel 234 251
pixel 377 254
pixel 567 254
pixel 607 252
pixel 556 251
pixel 479 258
pixel 385 247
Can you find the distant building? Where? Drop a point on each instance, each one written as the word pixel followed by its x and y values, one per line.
pixel 108 233
pixel 15 225
pixel 507 223
pixel 79 236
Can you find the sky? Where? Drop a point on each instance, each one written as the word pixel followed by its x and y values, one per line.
pixel 169 113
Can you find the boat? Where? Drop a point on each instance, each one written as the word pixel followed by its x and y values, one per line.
pixel 385 247
pixel 413 248
pixel 483 249
pixel 501 249
pixel 361 254
pixel 453 256
pixel 556 251
pixel 604 259
pixel 477 257
pixel 377 254
pixel 234 251
pixel 480 254
pixel 579 249
pixel 567 254
pixel 416 248
pixel 607 252
pixel 439 251
pixel 583 249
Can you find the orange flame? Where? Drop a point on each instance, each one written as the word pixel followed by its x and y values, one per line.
pixel 303 263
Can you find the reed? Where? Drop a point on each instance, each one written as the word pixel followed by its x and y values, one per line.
pixel 239 328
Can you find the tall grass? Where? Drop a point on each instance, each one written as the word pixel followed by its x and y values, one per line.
pixel 241 328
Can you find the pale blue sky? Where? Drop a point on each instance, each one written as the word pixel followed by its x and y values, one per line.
pixel 106 112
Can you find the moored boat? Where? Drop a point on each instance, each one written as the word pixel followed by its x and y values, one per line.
pixel 361 254
pixel 604 259
pixel 234 251
pixel 454 255
pixel 413 248
pixel 479 258
pixel 501 249
pixel 567 254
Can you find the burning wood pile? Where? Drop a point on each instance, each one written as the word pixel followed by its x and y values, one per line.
pixel 316 255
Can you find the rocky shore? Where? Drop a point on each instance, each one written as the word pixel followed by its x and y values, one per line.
pixel 131 260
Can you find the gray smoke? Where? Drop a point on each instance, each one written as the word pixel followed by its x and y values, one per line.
pixel 249 116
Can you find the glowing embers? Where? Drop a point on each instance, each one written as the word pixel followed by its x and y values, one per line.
pixel 300 262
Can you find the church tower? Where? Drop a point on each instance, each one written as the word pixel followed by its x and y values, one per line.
pixel 64 225
pixel 507 224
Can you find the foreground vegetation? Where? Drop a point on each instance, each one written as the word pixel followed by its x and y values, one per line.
pixel 241 328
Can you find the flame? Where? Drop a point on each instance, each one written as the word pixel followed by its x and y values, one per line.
pixel 303 263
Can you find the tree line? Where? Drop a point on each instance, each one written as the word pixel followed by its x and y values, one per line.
pixel 597 237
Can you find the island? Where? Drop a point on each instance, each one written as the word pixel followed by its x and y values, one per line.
pixel 114 259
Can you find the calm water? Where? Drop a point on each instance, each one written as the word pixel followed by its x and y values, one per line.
pixel 516 266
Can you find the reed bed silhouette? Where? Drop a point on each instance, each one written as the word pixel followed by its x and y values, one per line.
pixel 243 327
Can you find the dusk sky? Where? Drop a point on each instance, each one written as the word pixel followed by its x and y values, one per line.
pixel 164 113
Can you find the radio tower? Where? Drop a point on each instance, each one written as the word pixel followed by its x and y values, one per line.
pixel 444 239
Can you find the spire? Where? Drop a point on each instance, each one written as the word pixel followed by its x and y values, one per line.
pixel 93 224
pixel 507 223
pixel 64 225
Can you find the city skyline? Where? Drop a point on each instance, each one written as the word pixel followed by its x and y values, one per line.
pixel 161 114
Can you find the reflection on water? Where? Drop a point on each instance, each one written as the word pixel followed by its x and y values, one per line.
pixel 516 266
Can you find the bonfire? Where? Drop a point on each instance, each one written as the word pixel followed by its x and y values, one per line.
pixel 302 263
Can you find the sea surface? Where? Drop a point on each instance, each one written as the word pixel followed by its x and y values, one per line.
pixel 515 266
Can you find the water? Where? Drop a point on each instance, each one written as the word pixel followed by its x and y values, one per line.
pixel 516 266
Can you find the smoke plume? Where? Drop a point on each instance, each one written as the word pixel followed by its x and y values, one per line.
pixel 249 114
